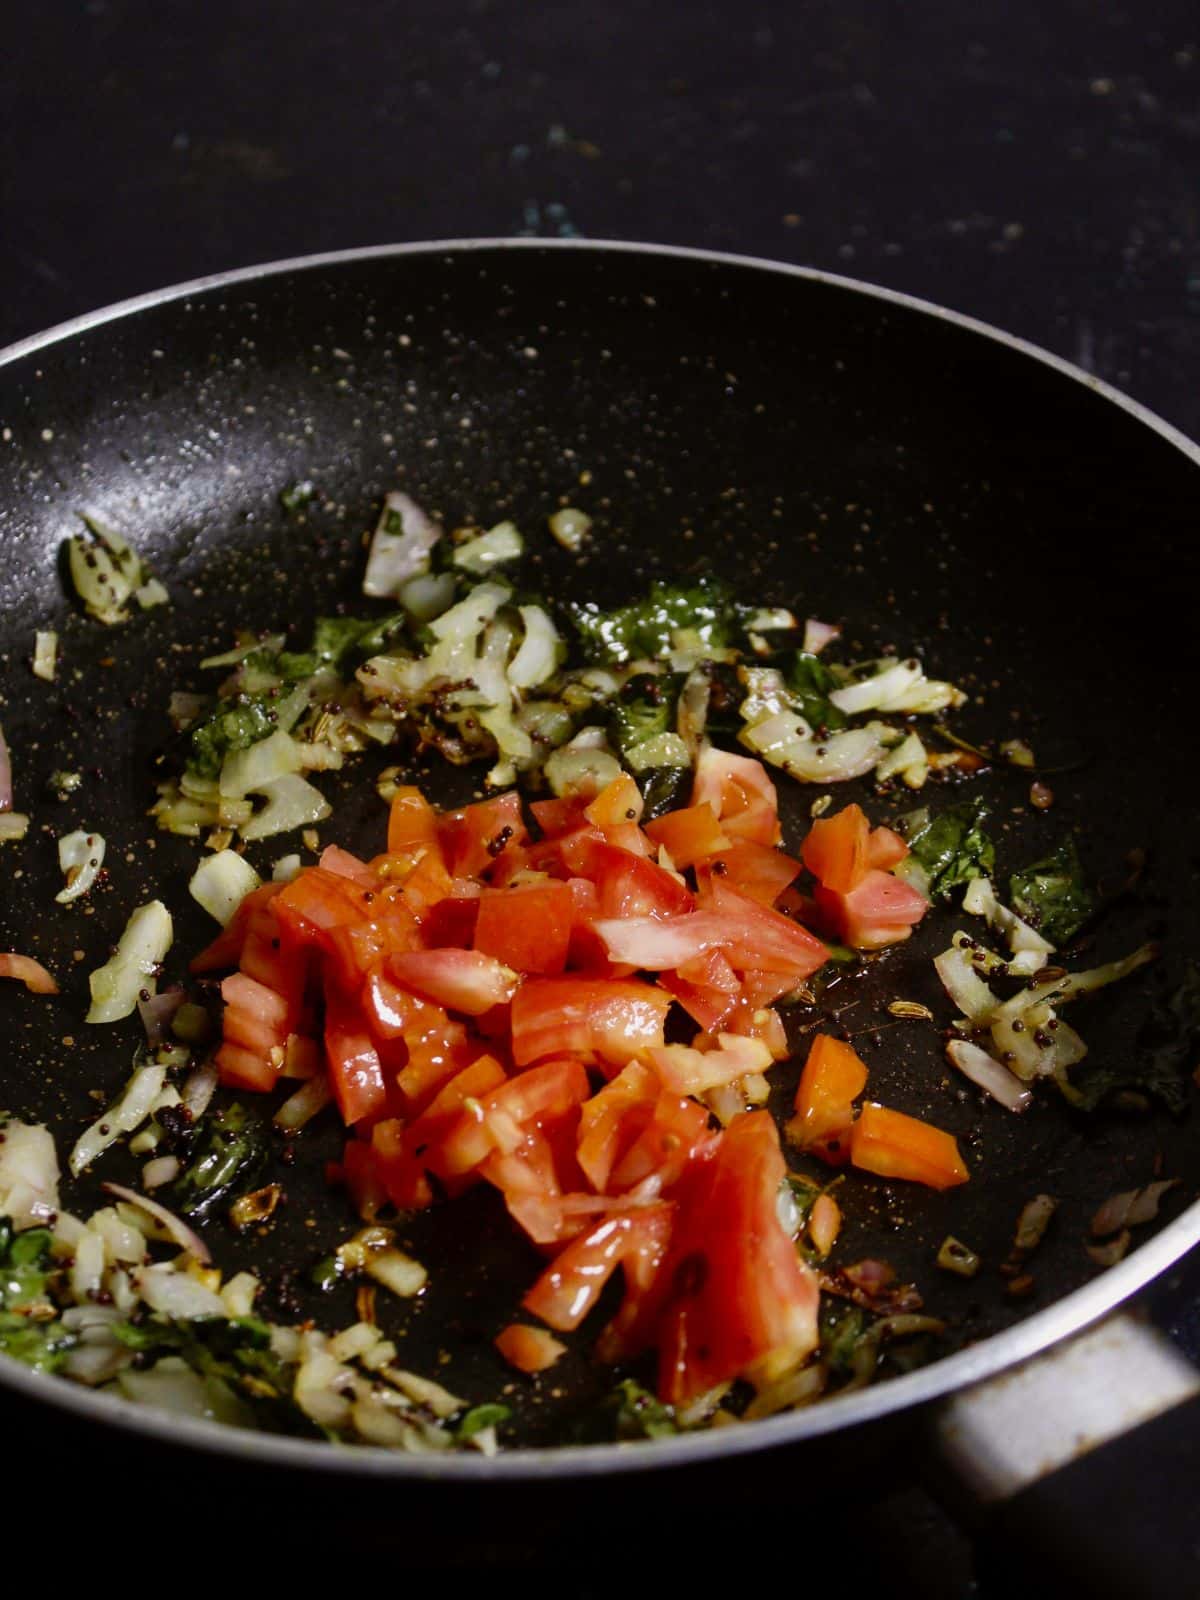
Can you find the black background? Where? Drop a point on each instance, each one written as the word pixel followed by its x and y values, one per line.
pixel 1034 165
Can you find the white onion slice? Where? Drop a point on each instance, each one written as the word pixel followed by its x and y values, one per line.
pixel 988 1074
pixel 186 1238
pixel 400 546
pixel 818 634
pixel 80 857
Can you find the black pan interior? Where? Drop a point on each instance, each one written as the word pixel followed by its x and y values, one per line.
pixel 855 458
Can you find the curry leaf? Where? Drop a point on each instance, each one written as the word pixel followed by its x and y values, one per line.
pixel 1052 894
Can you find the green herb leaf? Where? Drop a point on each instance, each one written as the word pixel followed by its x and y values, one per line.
pixel 953 848
pixel 811 682
pixel 230 726
pixel 38 1341
pixel 645 628
pixel 1052 895
pixel 640 1415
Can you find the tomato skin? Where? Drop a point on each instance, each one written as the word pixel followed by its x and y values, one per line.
pixel 530 1350
pixel 497 1120
pixel 675 1133
pixel 528 927
pixel 602 1021
pixel 472 838
pixel 344 865
pixel 450 924
pixel 885 849
pixel 740 792
pixel 612 1119
pixel 557 817
pixel 628 885
pixel 881 910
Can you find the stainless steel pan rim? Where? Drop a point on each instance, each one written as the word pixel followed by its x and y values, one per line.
pixel 1035 1334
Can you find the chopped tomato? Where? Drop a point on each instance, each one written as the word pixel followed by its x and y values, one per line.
pixel 460 980
pixel 571 1284
pixel 611 1120
pixel 529 1349
pixel 689 835
pixel 527 927
pixel 836 849
pixel 885 849
pixel 628 885
pixel 412 822
pixel 497 1120
pixel 752 869
pixel 472 838
pixel 833 1078
pixel 739 792
pixel 355 1070
pixel 881 910
pixel 603 1021
pixel 618 802
pixel 897 1146
pixel 688 1071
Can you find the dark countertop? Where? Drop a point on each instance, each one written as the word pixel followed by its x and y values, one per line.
pixel 1035 165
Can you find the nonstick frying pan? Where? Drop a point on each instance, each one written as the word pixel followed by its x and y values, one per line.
pixel 860 456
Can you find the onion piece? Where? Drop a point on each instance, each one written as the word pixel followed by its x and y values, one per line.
pixel 186 1238
pixel 569 527
pixel 400 546
pixel 80 857
pixel 45 655
pixel 818 634
pixel 13 825
pixel 1130 1208
pixel 221 882
pixel 313 1095
pixel 27 971
pixel 28 1173
pixel 988 1074
pixel 157 1013
pixel 500 544
pixel 128 1113
pixel 116 985
pixel 1033 1222
pixel 539 654
pixel 198 1089
pixel 963 984
pixel 162 1169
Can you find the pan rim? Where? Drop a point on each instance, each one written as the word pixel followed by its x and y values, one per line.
pixel 1036 1333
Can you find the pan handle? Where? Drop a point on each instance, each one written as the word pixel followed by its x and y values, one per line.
pixel 1078 1471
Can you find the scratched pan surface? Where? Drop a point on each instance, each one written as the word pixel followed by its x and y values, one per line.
pixel 857 457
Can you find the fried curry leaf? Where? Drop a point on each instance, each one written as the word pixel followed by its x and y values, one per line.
pixel 645 628
pixel 1162 1059
pixel 30 1331
pixel 953 847
pixel 1052 894
pixel 229 727
pixel 229 1155
pixel 489 1415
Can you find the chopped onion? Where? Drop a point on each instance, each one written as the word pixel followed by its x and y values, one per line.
pixel 818 634
pixel 570 527
pixel 1058 990
pixel 954 1256
pixel 45 656
pixel 246 771
pixel 27 971
pixel 80 857
pixel 163 1169
pixel 908 760
pixel 963 984
pixel 980 900
pixel 427 595
pixel 198 1089
pixel 579 770
pixel 175 1294
pixel 1131 1208
pixel 501 543
pixel 894 685
pixel 1107 1255
pixel 988 1073
pixel 313 1095
pixel 221 882
pixel 538 657
pixel 116 985
pixel 129 1112
pixel 292 802
pixel 14 825
pixel 157 1013
pixel 400 546
pixel 1033 1222
pixel 186 1238
pixel 286 868
pixel 787 741
pixel 28 1173
pixel 108 572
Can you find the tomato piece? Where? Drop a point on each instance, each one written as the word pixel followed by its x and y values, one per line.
pixel 408 1153
pixel 881 910
pixel 556 817
pixel 607 1125
pixel 412 822
pixel 756 870
pixel 527 927
pixel 711 1007
pixel 740 1301
pixel 472 838
pixel 437 1050
pixel 572 1283
pixel 675 1133
pixel 898 1146
pixel 762 939
pixel 760 1022
pixel 632 1327
pixel 426 883
pixel 340 862
pixel 885 849
pixel 497 1121
pixel 226 949
pixel 618 802
pixel 685 1070
pixel 355 1070
pixel 688 835
pixel 629 885
pixel 739 792
pixel 450 924
pixel 605 1021
pixel 833 1078
pixel 529 1349
pixel 240 1068
pixel 460 980
pixel 255 1017
pixel 835 850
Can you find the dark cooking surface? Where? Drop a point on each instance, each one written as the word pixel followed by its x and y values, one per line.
pixel 156 182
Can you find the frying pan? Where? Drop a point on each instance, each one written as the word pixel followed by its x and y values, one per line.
pixel 860 456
